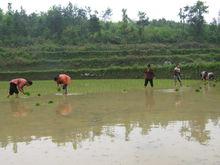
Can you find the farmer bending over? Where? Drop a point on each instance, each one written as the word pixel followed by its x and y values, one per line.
pixel 63 81
pixel 211 76
pixel 17 85
pixel 204 75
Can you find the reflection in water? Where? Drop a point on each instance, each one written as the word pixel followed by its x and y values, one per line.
pixel 65 107
pixel 196 130
pixel 206 87
pixel 178 99
pixel 18 108
pixel 106 123
pixel 149 98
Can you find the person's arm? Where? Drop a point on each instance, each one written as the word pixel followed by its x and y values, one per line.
pixel 58 86
pixel 145 72
pixel 20 88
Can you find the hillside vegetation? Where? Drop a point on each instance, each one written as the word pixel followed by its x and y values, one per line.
pixel 87 44
pixel 108 61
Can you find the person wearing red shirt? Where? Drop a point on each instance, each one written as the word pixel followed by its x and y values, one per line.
pixel 17 85
pixel 63 81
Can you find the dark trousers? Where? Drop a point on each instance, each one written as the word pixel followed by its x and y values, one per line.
pixel 146 82
pixel 13 89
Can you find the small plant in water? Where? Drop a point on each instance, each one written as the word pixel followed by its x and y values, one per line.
pixel 37 104
pixel 124 90
pixel 27 93
pixel 38 94
pixel 197 90
pixel 50 102
pixel 176 89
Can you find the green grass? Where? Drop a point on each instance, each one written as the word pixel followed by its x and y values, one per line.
pixel 42 88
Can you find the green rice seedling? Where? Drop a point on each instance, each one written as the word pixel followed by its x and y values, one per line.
pixel 37 104
pixel 50 102
pixel 27 93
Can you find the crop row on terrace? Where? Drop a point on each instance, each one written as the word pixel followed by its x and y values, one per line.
pixel 42 64
pixel 190 71
pixel 33 55
pixel 102 61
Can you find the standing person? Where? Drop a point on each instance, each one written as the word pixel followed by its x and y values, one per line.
pixel 17 85
pixel 63 81
pixel 149 76
pixel 177 75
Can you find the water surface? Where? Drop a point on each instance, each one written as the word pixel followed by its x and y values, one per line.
pixel 138 127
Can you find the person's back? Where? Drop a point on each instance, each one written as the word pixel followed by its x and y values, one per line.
pixel 64 79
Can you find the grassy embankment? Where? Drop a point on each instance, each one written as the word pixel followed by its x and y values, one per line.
pixel 108 61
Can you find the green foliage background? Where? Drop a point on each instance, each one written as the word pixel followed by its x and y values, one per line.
pixel 86 44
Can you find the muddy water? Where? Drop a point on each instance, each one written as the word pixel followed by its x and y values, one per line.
pixel 141 127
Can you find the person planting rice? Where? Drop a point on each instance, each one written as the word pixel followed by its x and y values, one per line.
pixel 63 81
pixel 177 75
pixel 17 85
pixel 211 76
pixel 204 75
pixel 149 76
pixel 207 75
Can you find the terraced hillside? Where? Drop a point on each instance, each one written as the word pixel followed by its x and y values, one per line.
pixel 108 61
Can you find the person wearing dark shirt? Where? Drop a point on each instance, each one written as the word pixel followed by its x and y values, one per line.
pixel 149 76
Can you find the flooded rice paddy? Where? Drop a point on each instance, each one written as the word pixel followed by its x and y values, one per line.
pixel 140 127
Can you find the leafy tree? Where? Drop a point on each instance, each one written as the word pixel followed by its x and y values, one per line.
pixel 195 17
pixel 55 22
pixel 124 25
pixel 94 23
pixel 106 16
pixel 74 25
pixel 142 22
